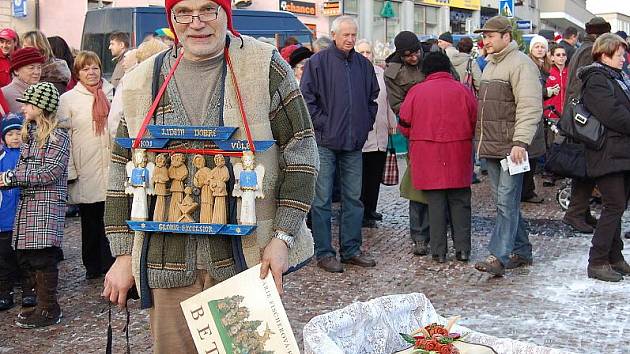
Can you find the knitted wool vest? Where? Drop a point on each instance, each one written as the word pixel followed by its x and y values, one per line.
pixel 251 63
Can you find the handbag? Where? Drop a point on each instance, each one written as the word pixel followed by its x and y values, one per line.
pixel 579 123
pixel 567 160
pixel 390 172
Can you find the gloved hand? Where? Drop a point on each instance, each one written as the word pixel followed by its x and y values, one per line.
pixel 553 90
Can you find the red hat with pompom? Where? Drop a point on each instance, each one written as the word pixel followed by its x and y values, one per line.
pixel 225 4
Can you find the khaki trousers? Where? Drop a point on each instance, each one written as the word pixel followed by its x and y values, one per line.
pixel 168 324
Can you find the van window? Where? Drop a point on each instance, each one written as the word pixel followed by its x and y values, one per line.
pixel 96 33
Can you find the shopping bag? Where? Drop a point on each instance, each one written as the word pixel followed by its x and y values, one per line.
pixel 390 172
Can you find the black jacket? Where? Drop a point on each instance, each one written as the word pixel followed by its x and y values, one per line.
pixel 605 99
pixel 569 49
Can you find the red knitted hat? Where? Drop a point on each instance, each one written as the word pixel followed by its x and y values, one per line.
pixel 225 4
pixel 26 56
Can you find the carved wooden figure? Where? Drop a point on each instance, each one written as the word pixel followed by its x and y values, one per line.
pixel 159 180
pixel 177 172
pixel 203 181
pixel 249 179
pixel 219 175
pixel 187 206
pixel 139 172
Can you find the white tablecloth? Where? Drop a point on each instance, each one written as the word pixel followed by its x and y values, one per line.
pixel 373 327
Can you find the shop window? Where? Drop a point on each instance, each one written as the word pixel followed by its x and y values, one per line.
pixel 432 15
pixel 351 7
pixel 393 23
pixel 418 19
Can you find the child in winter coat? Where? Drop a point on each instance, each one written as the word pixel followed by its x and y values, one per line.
pixel 41 174
pixel 9 270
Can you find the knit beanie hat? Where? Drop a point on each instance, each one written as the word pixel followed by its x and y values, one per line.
pixel 298 55
pixel 597 25
pixel 447 37
pixel 10 122
pixel 538 39
pixel 43 95
pixel 225 4
pixel 622 34
pixel 26 56
pixel 406 42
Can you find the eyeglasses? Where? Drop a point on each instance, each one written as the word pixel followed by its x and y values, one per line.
pixel 560 55
pixel 417 53
pixel 186 19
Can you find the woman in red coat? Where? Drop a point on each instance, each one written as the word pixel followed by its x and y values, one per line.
pixel 438 117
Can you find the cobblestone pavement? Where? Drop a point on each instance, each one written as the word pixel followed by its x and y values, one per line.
pixel 551 303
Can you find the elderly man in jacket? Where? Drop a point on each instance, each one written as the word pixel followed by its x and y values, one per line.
pixel 215 63
pixel 509 124
pixel 578 215
pixel 340 89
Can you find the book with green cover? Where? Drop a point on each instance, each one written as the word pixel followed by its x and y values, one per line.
pixel 243 314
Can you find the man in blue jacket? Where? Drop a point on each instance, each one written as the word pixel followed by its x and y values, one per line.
pixel 340 88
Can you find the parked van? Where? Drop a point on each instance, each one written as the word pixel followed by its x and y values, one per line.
pixel 139 22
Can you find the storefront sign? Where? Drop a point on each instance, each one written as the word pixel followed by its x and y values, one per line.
pixel 299 7
pixel 332 8
pixel 462 4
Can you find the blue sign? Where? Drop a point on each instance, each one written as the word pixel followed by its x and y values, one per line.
pixel 191 132
pixel 19 8
pixel 127 143
pixel 506 8
pixel 191 228
pixel 524 25
pixel 243 145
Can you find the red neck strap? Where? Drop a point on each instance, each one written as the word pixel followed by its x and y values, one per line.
pixel 160 93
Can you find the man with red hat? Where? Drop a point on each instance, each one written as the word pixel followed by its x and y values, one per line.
pixel 8 44
pixel 220 79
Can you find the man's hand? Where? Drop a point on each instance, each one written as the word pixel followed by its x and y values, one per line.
pixel 118 281
pixel 276 257
pixel 517 155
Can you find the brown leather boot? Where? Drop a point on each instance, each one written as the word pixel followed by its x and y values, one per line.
pixel 29 299
pixel 47 312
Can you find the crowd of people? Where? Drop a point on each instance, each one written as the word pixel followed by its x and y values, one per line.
pixel 332 110
pixel 58 112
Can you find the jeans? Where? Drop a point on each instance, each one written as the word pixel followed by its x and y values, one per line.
pixel 510 234
pixel 419 222
pixel 350 167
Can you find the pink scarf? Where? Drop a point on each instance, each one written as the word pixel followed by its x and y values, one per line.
pixel 100 108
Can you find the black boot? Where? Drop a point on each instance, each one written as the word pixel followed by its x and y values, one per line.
pixel 47 312
pixel 6 295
